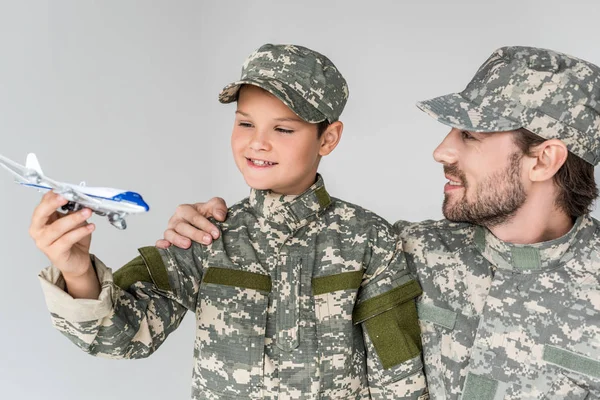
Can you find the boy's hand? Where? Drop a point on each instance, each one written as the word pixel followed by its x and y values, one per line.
pixel 64 239
pixel 190 221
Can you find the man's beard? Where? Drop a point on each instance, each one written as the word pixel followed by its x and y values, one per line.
pixel 497 199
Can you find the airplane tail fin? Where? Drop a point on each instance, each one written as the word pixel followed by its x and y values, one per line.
pixel 32 163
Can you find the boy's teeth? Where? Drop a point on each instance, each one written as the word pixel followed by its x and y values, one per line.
pixel 261 163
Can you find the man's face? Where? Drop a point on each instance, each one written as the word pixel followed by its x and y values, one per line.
pixel 485 180
pixel 273 148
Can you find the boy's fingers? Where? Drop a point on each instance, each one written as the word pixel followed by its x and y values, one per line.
pixel 176 239
pixel 68 240
pixel 64 226
pixel 42 213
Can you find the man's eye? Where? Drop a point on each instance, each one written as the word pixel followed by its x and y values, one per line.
pixel 245 124
pixel 466 135
pixel 282 130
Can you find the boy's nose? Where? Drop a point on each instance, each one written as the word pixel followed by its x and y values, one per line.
pixel 259 141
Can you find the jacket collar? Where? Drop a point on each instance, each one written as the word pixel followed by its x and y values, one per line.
pixel 532 257
pixel 291 210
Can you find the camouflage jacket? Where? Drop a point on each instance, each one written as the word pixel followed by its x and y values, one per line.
pixel 502 321
pixel 303 297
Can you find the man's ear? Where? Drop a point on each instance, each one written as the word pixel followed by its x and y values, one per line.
pixel 547 158
pixel 331 137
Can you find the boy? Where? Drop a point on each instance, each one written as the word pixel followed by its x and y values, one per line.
pixel 304 296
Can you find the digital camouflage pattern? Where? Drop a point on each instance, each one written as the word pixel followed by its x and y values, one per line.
pixel 550 94
pixel 304 80
pixel 507 322
pixel 303 297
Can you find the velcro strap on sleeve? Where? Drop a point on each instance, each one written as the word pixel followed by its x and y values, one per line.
pixel 386 301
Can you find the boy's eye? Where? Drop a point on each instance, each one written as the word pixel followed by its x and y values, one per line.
pixel 283 130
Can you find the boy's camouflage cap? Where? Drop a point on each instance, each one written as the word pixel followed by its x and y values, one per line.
pixel 548 93
pixel 304 80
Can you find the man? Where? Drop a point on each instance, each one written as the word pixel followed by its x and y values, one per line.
pixel 511 300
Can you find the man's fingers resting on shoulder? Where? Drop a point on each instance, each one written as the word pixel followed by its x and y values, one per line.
pixel 189 222
pixel 215 207
pixel 172 237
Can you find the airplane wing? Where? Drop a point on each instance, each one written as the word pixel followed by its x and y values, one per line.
pixel 30 176
pixel 33 177
pixel 71 194
pixel 21 173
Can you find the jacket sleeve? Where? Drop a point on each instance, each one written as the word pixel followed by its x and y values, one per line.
pixel 387 312
pixel 138 306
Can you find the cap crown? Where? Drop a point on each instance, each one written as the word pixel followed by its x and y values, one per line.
pixel 551 94
pixel 305 80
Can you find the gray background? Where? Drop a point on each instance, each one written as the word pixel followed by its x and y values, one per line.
pixel 123 94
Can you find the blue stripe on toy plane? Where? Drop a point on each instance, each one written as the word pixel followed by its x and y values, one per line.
pixel 129 197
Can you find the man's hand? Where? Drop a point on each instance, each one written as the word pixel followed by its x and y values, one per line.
pixel 190 222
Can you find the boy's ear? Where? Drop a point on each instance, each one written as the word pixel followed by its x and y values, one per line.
pixel 547 159
pixel 331 137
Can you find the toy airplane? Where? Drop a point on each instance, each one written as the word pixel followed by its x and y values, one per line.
pixel 113 203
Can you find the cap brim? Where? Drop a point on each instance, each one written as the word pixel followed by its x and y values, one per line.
pixel 299 105
pixel 458 112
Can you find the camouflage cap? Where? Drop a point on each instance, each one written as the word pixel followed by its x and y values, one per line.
pixel 304 80
pixel 548 93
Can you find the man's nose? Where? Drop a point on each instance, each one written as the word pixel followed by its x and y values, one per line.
pixel 447 151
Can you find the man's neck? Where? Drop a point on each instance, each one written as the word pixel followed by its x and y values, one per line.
pixel 534 223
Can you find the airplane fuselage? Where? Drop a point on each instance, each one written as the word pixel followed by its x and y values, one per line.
pixel 116 200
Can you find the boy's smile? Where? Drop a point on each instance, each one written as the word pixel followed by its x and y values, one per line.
pixel 256 163
pixel 274 148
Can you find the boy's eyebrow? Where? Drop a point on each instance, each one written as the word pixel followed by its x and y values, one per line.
pixel 285 119
pixel 290 119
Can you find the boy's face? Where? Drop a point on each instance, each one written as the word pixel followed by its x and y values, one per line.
pixel 485 175
pixel 273 148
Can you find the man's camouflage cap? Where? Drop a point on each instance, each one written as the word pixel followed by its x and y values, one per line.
pixel 304 80
pixel 548 93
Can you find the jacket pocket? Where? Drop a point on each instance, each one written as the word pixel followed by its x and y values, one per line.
pixel 440 343
pixel 340 343
pixel 230 339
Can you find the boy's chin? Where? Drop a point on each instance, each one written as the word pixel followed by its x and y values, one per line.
pixel 257 185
